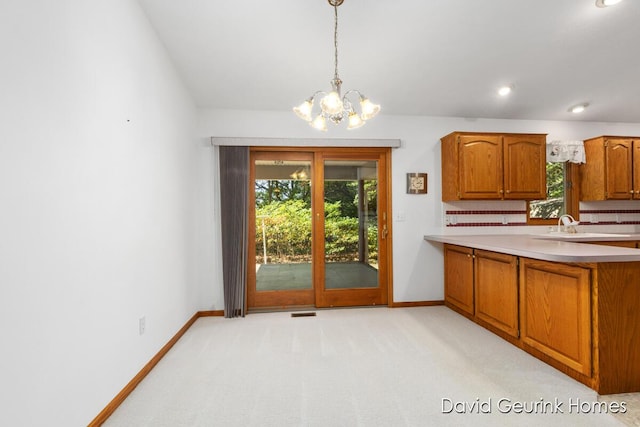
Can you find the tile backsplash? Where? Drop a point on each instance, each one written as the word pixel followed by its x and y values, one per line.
pixel 505 213
pixel 471 213
pixel 610 212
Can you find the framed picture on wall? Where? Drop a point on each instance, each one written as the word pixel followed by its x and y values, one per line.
pixel 416 183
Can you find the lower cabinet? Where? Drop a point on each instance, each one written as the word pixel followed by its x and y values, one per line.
pixel 483 285
pixel 555 311
pixel 496 290
pixel 543 305
pixel 458 278
pixel 580 318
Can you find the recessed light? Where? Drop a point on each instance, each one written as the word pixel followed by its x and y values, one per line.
pixel 505 90
pixel 577 109
pixel 606 3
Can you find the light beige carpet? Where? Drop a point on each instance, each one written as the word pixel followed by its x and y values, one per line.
pixel 424 366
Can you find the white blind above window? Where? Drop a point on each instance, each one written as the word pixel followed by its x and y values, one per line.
pixel 566 151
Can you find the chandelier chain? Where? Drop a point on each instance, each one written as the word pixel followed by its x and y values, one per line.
pixel 335 40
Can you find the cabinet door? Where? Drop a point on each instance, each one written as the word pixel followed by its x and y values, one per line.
pixel 592 174
pixel 480 166
pixel 555 311
pixel 496 290
pixel 636 169
pixel 458 277
pixel 525 173
pixel 618 168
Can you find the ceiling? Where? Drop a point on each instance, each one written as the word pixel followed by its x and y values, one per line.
pixel 414 57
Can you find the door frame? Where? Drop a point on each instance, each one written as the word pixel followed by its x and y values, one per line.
pixel 278 300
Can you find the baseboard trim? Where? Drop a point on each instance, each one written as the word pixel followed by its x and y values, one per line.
pixel 126 391
pixel 211 313
pixel 415 304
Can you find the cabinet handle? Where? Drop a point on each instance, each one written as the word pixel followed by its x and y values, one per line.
pixel 631 191
pixel 508 191
pixel 501 191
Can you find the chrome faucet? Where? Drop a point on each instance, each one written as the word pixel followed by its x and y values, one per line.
pixel 569 223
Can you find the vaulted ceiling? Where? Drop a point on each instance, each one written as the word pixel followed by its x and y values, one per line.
pixel 414 57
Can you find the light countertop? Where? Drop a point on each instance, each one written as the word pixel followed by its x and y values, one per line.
pixel 546 247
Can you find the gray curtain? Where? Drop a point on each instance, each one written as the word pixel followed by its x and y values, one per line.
pixel 234 188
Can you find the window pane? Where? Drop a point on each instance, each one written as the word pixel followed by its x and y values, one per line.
pixel 283 224
pixel 555 204
pixel 351 224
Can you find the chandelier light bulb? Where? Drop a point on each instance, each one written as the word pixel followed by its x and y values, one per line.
pixel 304 110
pixel 354 121
pixel 369 109
pixel 319 123
pixel 331 103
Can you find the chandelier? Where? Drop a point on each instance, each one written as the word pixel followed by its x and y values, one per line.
pixel 334 106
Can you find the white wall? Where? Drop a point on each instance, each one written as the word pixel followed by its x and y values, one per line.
pixel 100 174
pixel 417 266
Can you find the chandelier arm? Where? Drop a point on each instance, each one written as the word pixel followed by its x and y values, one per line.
pixel 348 106
pixel 316 93
pixel 356 91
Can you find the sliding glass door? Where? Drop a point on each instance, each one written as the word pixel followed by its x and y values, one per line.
pixel 352 267
pixel 318 228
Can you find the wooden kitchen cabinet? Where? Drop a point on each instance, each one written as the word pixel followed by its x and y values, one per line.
pixel 612 171
pixel 579 317
pixel 496 290
pixel 458 278
pixel 555 312
pixel 493 166
pixel 482 285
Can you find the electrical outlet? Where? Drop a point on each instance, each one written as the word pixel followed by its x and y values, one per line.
pixel 142 325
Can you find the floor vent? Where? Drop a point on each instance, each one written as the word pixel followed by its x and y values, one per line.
pixel 304 314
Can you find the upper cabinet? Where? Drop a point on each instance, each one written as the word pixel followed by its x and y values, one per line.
pixel 612 171
pixel 493 166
